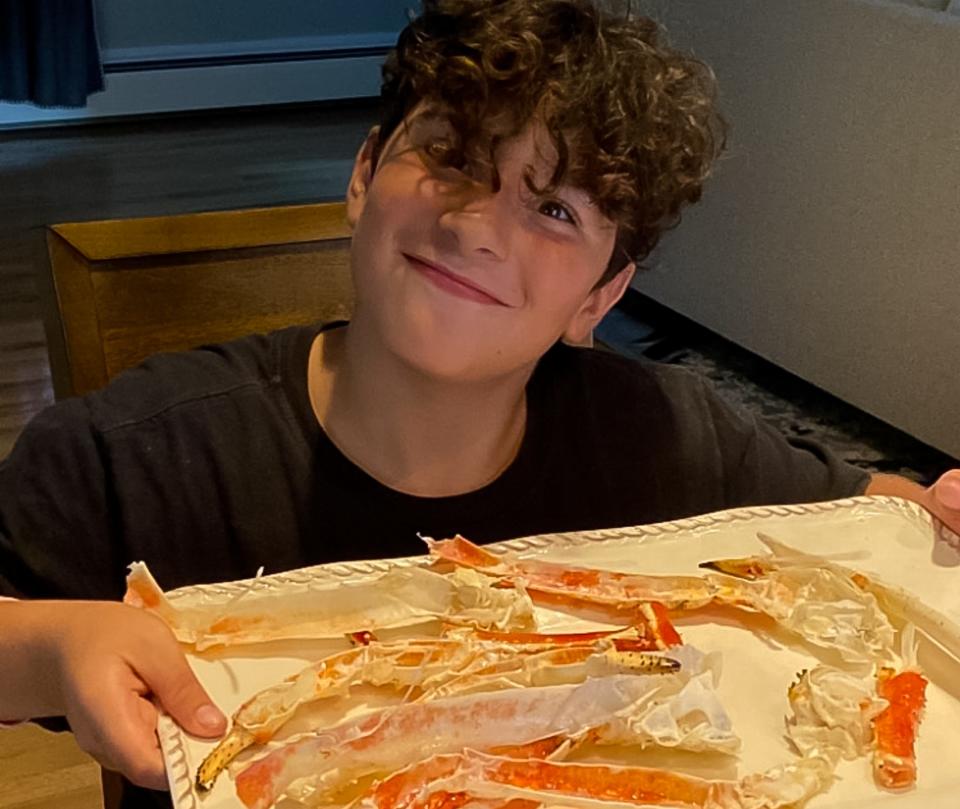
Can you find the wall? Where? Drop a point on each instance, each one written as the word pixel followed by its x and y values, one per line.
pixel 172 28
pixel 829 240
pixel 177 55
pixel 123 24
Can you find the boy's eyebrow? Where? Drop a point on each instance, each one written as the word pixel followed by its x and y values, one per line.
pixel 574 194
pixel 427 114
pixel 431 113
pixel 586 203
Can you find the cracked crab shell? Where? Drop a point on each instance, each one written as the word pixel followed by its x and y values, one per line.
pixel 401 597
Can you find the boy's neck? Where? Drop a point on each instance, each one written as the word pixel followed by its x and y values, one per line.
pixel 413 434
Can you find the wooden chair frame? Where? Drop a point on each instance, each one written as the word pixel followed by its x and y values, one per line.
pixel 120 290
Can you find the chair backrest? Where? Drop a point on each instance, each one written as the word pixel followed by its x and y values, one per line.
pixel 121 290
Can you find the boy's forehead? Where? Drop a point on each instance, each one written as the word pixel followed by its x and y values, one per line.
pixel 532 144
pixel 530 136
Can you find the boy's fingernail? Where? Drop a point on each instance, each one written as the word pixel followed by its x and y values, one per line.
pixel 209 716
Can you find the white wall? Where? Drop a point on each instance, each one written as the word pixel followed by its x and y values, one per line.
pixel 149 29
pixel 829 241
pixel 136 26
pixel 177 55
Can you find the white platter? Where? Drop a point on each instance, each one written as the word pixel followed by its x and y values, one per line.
pixel 887 537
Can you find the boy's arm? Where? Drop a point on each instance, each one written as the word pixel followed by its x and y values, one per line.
pixel 759 464
pixel 99 664
pixel 28 689
pixel 942 499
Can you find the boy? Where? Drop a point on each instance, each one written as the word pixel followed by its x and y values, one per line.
pixel 530 153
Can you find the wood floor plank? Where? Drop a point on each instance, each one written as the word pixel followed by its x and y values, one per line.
pixel 42 769
pixel 25 385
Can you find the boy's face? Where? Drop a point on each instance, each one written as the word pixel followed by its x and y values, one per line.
pixel 463 283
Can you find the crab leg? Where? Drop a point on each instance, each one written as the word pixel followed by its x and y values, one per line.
pixel 497 781
pixel 844 715
pixel 400 665
pixel 894 761
pixel 549 666
pixel 632 639
pixel 400 790
pixel 472 773
pixel 657 630
pixel 833 709
pixel 820 602
pixel 401 597
pixel 674 592
pixel 438 667
pixel 381 741
pixel 904 607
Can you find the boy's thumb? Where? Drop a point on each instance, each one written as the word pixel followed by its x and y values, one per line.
pixel 181 695
pixel 947 490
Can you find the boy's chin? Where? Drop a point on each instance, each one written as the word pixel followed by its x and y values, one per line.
pixel 446 367
pixel 458 350
pixel 460 361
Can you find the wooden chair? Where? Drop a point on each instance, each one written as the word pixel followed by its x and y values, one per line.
pixel 121 290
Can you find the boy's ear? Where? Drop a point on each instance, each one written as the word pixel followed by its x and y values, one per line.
pixel 600 301
pixel 361 177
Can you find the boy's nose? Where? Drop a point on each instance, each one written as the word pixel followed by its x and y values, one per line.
pixel 478 225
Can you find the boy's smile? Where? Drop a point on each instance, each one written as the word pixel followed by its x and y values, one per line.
pixel 465 282
pixel 444 278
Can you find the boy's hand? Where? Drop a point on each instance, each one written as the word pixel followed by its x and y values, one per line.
pixel 109 659
pixel 945 499
pixel 942 499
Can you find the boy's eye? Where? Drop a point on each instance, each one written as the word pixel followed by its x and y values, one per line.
pixel 444 153
pixel 557 210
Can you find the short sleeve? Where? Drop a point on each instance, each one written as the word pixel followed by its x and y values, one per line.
pixel 745 459
pixel 56 536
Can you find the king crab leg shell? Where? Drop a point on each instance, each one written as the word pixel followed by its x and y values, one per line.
pixel 657 630
pixel 380 742
pixel 838 713
pixel 674 592
pixel 453 780
pixel 400 790
pixel 818 602
pixel 900 605
pixel 439 667
pixel 497 777
pixel 833 709
pixel 401 597
pixel 401 665
pixel 559 665
pixel 636 638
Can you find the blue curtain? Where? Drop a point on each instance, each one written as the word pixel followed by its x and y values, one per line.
pixel 49 54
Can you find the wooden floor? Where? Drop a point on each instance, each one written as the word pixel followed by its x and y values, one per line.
pixel 40 769
pixel 154 166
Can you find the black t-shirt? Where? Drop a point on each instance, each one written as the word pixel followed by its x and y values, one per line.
pixel 210 463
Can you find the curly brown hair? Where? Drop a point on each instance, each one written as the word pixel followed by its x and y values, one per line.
pixel 634 122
